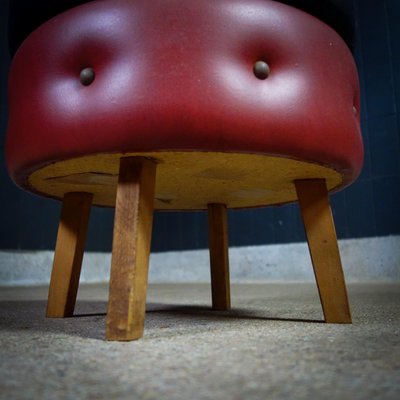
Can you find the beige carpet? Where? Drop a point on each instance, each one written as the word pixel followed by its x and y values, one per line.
pixel 272 345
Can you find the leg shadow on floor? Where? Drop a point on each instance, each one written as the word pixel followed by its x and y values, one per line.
pixel 89 318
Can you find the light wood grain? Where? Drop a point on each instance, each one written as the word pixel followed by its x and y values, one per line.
pixel 131 249
pixel 322 242
pixel 68 254
pixel 187 180
pixel 219 256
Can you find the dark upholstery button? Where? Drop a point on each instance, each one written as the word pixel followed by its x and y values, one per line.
pixel 87 76
pixel 261 69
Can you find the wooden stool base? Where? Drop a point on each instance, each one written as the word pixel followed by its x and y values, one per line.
pixel 131 250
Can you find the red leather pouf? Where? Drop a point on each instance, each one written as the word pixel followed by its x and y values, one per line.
pixel 183 105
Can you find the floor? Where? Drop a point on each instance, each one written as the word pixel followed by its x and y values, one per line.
pixel 272 345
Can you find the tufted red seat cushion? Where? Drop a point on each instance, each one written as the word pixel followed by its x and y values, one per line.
pixel 175 78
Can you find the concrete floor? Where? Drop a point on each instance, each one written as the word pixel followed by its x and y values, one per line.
pixel 272 345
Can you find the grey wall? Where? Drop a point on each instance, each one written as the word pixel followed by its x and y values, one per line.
pixel 370 207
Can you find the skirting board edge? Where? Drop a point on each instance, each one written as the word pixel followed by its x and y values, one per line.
pixel 375 259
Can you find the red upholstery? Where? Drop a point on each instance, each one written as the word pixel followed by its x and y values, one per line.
pixel 178 75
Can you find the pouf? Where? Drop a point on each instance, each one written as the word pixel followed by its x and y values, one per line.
pixel 182 105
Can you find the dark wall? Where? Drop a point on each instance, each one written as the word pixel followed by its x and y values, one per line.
pixel 370 207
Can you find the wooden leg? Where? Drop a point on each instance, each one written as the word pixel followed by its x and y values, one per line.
pixel 219 258
pixel 322 242
pixel 131 249
pixel 68 254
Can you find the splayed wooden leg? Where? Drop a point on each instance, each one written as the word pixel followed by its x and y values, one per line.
pixel 68 254
pixel 131 249
pixel 322 242
pixel 219 257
